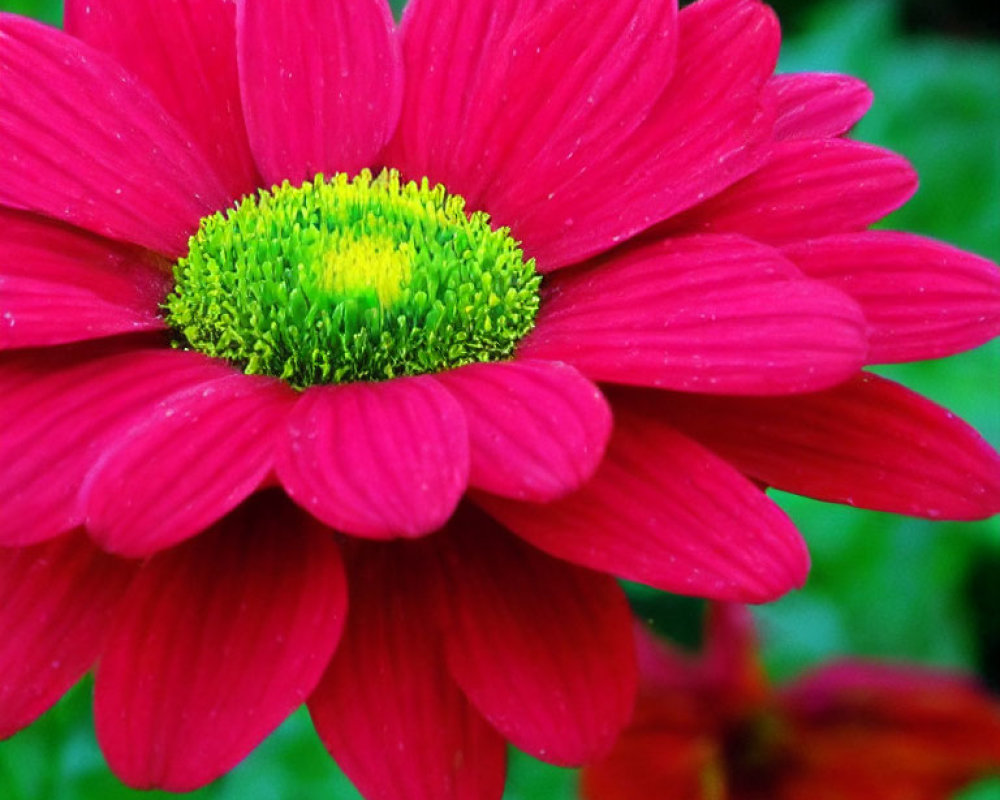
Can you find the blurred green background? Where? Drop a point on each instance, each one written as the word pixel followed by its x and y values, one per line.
pixel 881 585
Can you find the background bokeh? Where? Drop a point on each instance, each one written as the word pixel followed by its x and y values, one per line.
pixel 881 585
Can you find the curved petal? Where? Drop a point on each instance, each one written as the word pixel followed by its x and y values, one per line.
pixel 186 463
pixel 56 600
pixel 708 129
pixel 868 443
pixel 216 642
pixel 82 141
pixel 922 299
pixel 381 460
pixel 60 414
pixel 322 84
pixel 808 189
pixel 711 314
pixel 387 709
pixel 185 52
pixel 59 285
pixel 664 511
pixel 486 118
pixel 537 429
pixel 816 105
pixel 542 648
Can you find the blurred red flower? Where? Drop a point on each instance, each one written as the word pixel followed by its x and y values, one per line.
pixel 711 728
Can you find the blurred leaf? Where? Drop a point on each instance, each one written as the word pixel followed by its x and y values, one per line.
pixel 47 10
pixel 987 790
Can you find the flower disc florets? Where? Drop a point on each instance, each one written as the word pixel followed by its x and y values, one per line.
pixel 362 279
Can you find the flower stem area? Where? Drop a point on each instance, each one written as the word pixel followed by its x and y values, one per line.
pixel 882 586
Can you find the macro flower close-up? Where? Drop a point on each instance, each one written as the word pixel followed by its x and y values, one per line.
pixel 352 362
pixel 709 727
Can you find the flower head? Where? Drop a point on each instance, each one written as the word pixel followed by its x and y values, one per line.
pixel 350 362
pixel 710 728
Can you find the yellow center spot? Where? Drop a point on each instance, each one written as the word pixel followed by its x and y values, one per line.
pixel 370 263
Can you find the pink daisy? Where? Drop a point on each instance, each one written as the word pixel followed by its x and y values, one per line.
pixel 233 419
pixel 711 728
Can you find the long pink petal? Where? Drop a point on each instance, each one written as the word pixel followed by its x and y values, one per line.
pixel 56 600
pixel 537 429
pixel 808 189
pixel 81 140
pixel 922 299
pixel 486 117
pixel 542 648
pixel 387 709
pixel 816 105
pixel 664 511
pixel 185 52
pixel 711 314
pixel 59 284
pixel 381 460
pixel 868 443
pixel 60 414
pixel 216 642
pixel 186 463
pixel 708 129
pixel 322 84
pixel 452 46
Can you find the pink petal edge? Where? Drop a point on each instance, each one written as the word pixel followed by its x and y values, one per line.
pixel 664 511
pixel 217 641
pixel 321 81
pixel 102 160
pixel 537 429
pixel 185 463
pixel 378 460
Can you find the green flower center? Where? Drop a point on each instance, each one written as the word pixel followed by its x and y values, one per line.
pixel 362 279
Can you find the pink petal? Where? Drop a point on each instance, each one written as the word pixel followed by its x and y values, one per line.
pixel 82 141
pixel 808 189
pixel 387 709
pixel 707 130
pixel 542 648
pixel 664 511
pixel 868 443
pixel 185 463
pixel 487 117
pixel 537 429
pixel 217 641
pixel 380 460
pixel 452 46
pixel 322 84
pixel 185 52
pixel 60 414
pixel 711 314
pixel 815 105
pixel 922 299
pixel 58 285
pixel 57 600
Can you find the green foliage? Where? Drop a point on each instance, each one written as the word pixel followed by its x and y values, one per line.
pixel 46 10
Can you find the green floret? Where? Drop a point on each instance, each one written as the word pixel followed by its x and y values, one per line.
pixel 342 280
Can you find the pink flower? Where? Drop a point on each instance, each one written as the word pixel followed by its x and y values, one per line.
pixel 710 728
pixel 701 228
